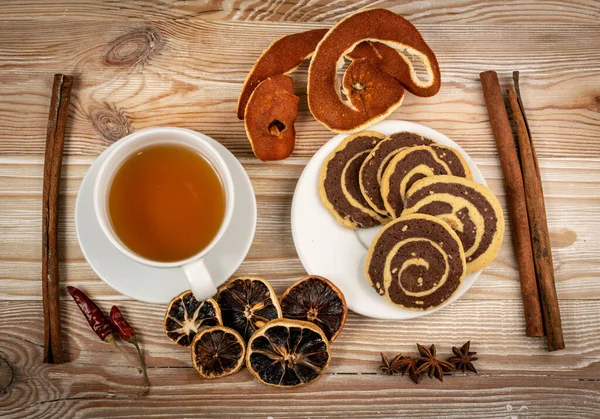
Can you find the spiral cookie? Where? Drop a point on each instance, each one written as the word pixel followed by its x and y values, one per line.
pixel 416 262
pixel 454 160
pixel 414 163
pixel 469 208
pixel 372 168
pixel 339 187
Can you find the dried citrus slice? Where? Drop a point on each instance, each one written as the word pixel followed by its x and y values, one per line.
pixel 318 301
pixel 288 353
pixel 247 303
pixel 186 316
pixel 217 352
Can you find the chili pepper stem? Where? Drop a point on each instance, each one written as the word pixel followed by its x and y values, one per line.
pixel 110 339
pixel 134 342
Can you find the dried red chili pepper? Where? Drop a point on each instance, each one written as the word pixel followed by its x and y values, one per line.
pixel 97 320
pixel 93 314
pixel 127 333
pixel 122 326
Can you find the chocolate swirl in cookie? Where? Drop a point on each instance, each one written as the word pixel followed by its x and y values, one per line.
pixel 376 162
pixel 416 262
pixel 339 187
pixel 454 160
pixel 414 163
pixel 469 208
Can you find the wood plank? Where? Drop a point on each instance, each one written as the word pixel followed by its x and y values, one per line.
pixel 514 370
pixel 572 199
pixel 496 329
pixel 189 74
pixel 368 396
pixel 467 11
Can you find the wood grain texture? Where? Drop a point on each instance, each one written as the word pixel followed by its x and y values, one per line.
pixel 421 11
pixel 144 63
pixel 514 370
pixel 568 183
pixel 133 75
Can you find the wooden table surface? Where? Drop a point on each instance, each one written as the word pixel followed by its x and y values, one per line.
pixel 148 63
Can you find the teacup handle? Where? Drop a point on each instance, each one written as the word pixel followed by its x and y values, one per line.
pixel 200 280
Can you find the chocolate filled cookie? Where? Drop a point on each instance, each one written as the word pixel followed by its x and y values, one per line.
pixel 339 186
pixel 414 163
pixel 376 162
pixel 416 262
pixel 470 209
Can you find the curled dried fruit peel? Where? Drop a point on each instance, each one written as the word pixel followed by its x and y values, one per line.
pixel 394 63
pixel 270 116
pixel 285 55
pixel 378 25
pixel 281 57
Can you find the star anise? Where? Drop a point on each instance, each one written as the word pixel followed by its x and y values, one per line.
pixel 410 368
pixel 463 359
pixel 400 365
pixel 390 367
pixel 430 364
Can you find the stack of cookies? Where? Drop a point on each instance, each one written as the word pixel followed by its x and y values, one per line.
pixel 439 224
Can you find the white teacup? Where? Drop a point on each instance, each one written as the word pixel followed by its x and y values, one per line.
pixel 202 284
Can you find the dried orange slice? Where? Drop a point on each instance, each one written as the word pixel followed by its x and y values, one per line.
pixel 288 353
pixel 317 300
pixel 247 303
pixel 186 316
pixel 217 352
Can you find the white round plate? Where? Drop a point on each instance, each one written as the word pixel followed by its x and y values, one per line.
pixel 160 285
pixel 325 248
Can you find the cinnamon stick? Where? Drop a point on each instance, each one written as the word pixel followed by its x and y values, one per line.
pixel 513 181
pixel 538 225
pixel 55 137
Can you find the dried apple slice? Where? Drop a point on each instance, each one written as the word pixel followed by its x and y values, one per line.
pixel 270 116
pixel 281 57
pixel 378 25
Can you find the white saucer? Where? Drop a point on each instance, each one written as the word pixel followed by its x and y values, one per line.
pixel 159 285
pixel 325 248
